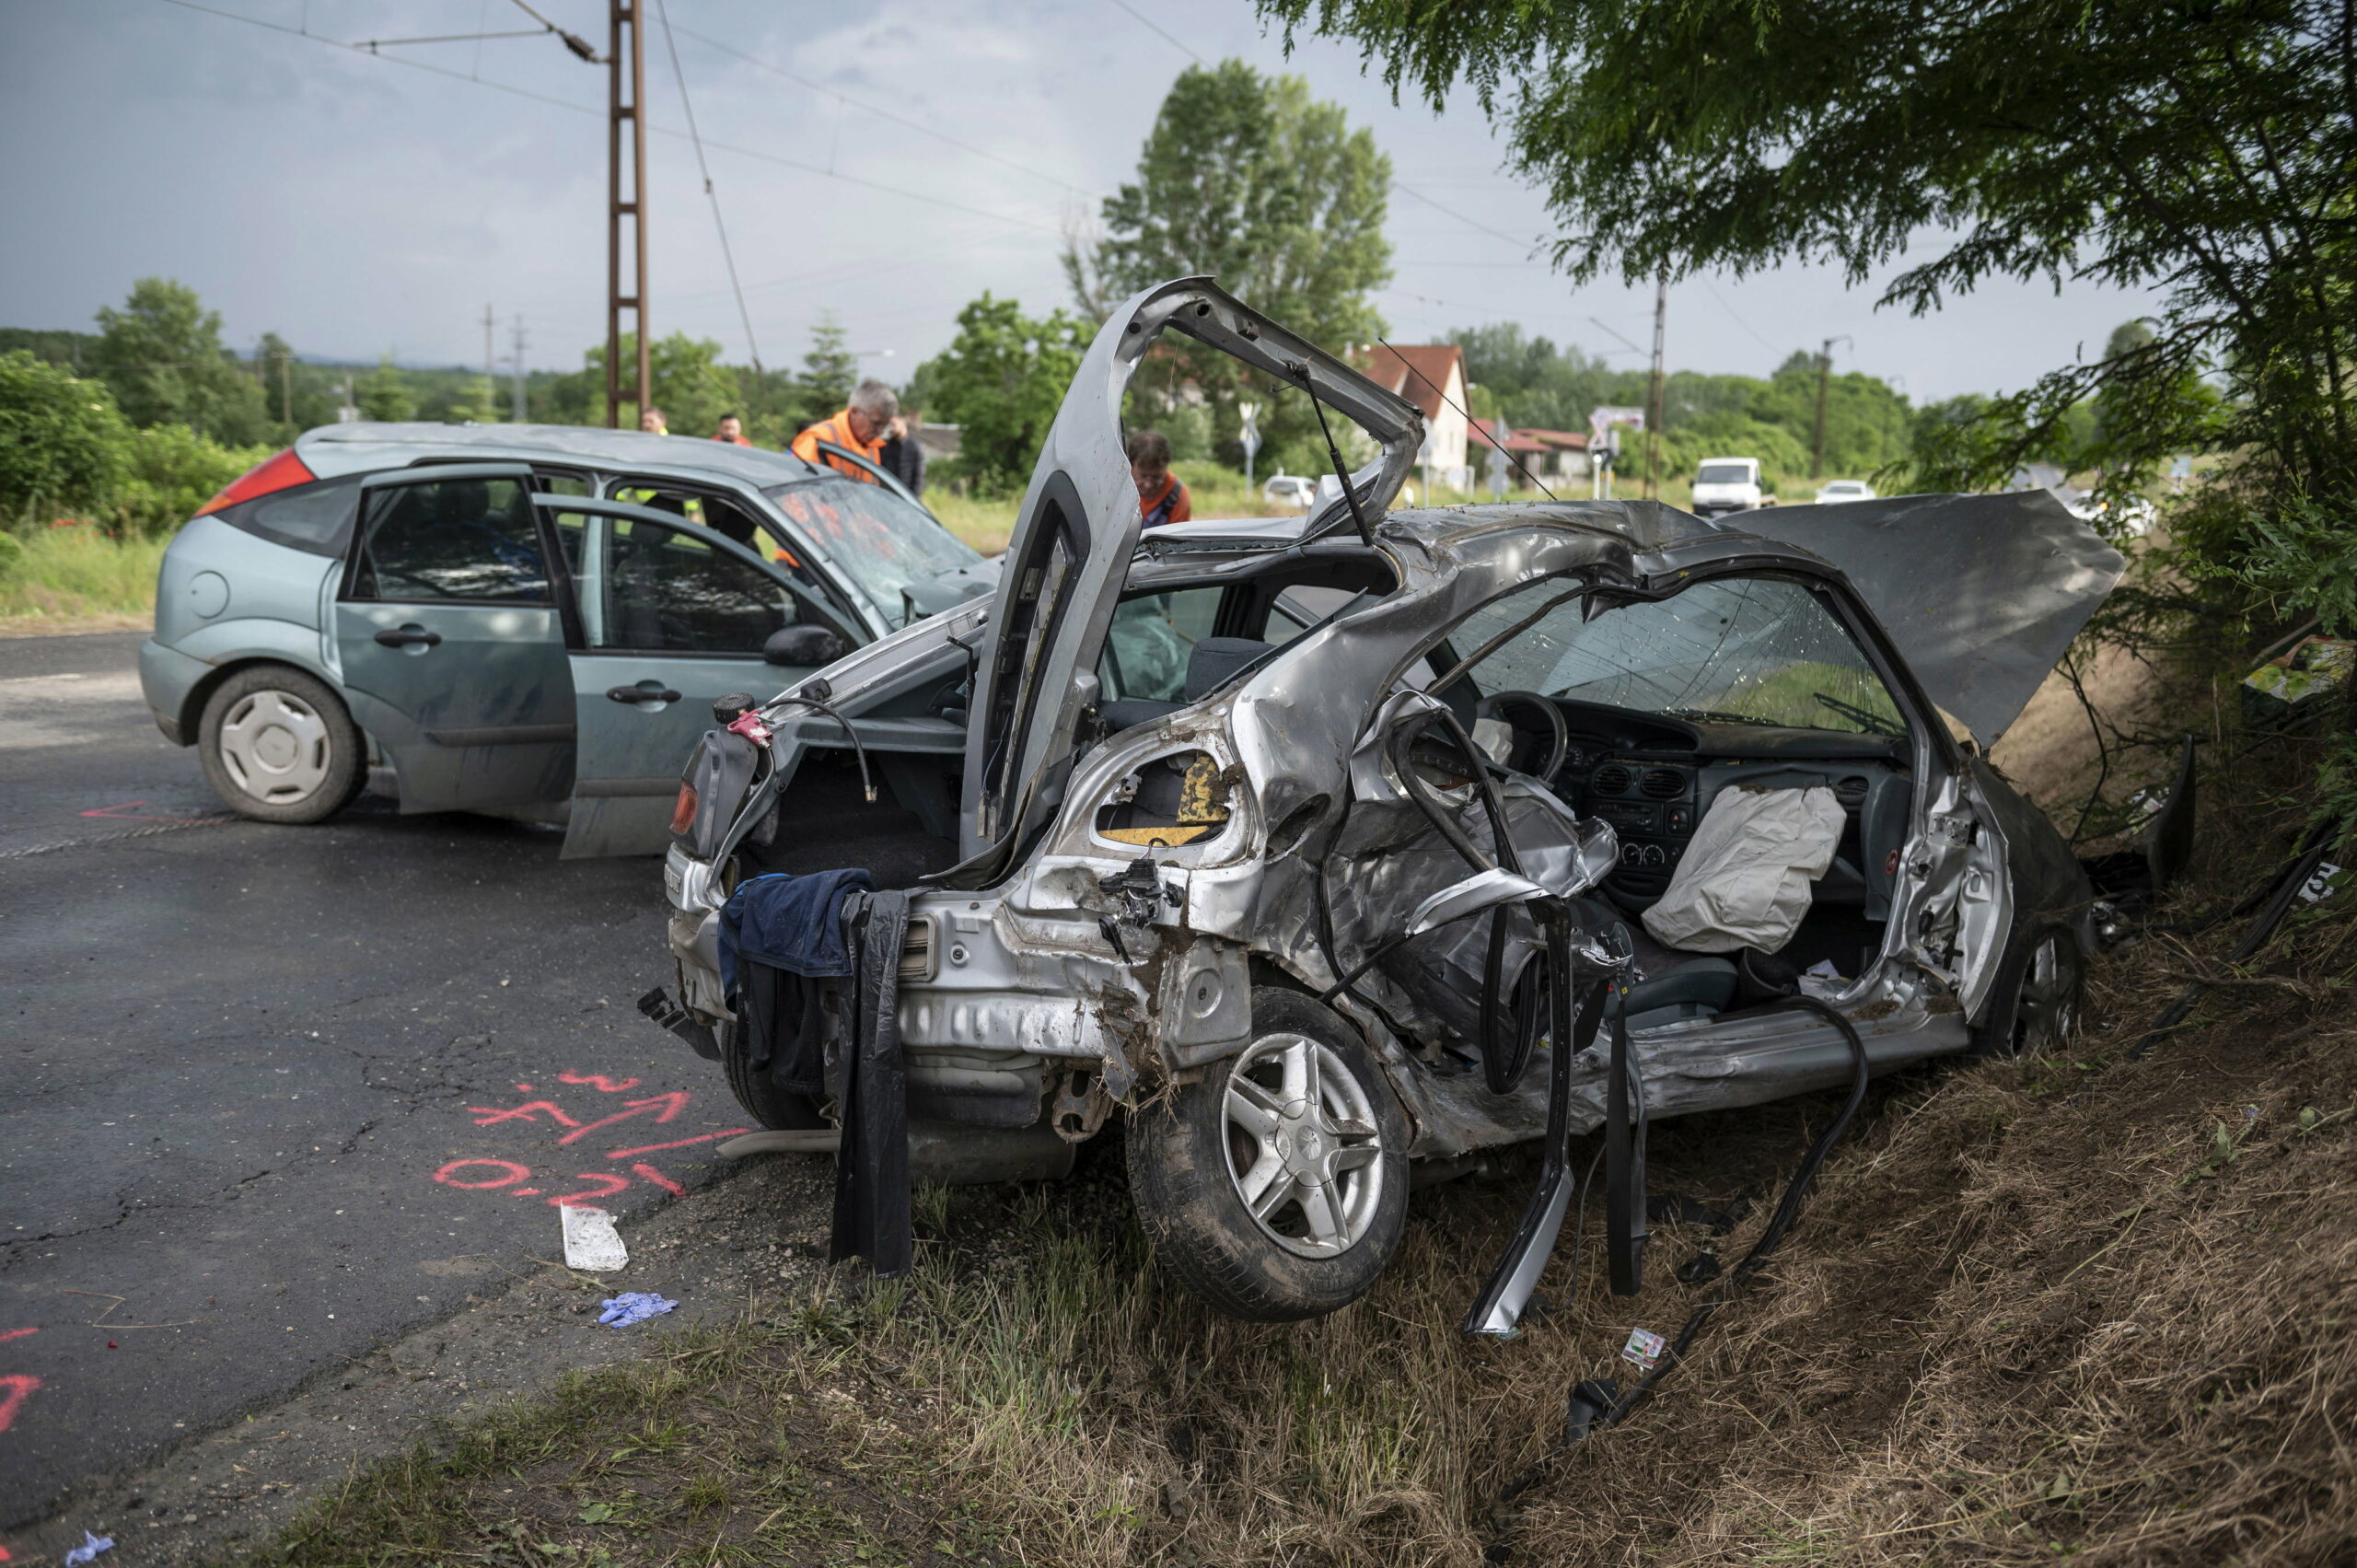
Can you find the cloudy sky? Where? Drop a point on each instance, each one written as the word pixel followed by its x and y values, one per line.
pixel 360 204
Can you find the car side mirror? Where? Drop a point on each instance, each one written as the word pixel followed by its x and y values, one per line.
pixel 803 648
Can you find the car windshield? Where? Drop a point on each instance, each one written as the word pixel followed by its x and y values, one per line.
pixel 1723 473
pixel 1737 650
pixel 879 540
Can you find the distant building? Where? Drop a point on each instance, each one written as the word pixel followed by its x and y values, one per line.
pixel 1540 456
pixel 1432 377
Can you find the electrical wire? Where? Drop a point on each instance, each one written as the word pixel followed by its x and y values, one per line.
pixel 663 13
pixel 921 129
pixel 1159 32
pixel 783 162
pixel 1471 423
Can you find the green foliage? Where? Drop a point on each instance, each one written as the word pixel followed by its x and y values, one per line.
pixel 1001 380
pixel 1247 178
pixel 169 471
pixel 691 387
pixel 828 371
pixel 162 357
pixel 384 394
pixel 61 441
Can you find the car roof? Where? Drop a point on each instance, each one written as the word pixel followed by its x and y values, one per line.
pixel 363 446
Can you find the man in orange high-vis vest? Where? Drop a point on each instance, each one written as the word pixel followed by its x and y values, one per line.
pixel 861 427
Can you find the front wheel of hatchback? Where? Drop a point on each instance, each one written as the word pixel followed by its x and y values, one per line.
pixel 279 746
pixel 1275 1188
pixel 2035 1004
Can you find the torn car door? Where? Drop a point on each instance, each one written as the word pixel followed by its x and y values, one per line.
pixel 1981 594
pixel 1070 554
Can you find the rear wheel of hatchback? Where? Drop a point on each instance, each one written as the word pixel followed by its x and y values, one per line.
pixel 1275 1187
pixel 279 746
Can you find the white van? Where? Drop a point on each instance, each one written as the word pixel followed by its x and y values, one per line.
pixel 1727 484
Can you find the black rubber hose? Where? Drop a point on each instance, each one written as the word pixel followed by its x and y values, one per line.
pixel 865 783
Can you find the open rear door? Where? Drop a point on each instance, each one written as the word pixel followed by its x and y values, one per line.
pixel 671 615
pixel 1069 557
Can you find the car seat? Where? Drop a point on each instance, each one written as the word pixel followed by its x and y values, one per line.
pixel 1210 664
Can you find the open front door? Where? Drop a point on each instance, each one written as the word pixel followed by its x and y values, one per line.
pixel 671 616
pixel 1069 557
pixel 448 632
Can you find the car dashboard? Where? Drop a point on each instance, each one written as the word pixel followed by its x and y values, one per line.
pixel 1654 777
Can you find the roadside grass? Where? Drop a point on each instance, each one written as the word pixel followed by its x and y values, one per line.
pixel 74 572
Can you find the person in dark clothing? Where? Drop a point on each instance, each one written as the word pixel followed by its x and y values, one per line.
pixel 1161 498
pixel 903 456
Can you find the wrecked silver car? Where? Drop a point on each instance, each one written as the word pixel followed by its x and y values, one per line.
pixel 1318 847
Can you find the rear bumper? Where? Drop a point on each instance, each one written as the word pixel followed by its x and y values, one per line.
pixel 167 675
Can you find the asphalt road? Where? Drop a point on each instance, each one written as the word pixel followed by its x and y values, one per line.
pixel 268 1095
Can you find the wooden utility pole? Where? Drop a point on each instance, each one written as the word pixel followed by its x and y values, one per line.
pixel 490 365
pixel 286 385
pixel 1824 379
pixel 516 410
pixel 1653 394
pixel 625 101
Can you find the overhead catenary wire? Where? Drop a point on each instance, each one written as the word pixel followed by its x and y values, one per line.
pixel 1473 423
pixel 513 91
pixel 727 256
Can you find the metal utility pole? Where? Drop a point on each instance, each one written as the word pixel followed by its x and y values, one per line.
pixel 1824 376
pixel 625 101
pixel 286 385
pixel 1652 395
pixel 516 399
pixel 489 366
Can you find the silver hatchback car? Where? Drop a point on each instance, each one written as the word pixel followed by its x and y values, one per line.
pixel 523 620
pixel 1226 798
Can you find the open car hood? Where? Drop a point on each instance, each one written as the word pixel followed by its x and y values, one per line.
pixel 1069 557
pixel 1981 594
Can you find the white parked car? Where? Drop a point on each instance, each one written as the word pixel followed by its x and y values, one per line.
pixel 1727 484
pixel 1834 489
pixel 1289 490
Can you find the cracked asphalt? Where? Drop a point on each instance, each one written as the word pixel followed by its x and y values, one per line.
pixel 271 1094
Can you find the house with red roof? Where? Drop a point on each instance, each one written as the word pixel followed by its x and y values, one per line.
pixel 1432 377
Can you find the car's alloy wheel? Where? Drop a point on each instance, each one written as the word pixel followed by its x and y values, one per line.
pixel 2047 1008
pixel 1303 1146
pixel 1276 1186
pixel 279 746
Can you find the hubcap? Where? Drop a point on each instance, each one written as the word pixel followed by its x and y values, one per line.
pixel 276 746
pixel 1304 1147
pixel 2048 1008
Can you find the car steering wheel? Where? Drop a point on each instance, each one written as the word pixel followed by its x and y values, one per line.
pixel 1493 705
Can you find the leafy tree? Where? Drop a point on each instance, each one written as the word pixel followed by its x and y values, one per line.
pixel 1001 380
pixel 828 371
pixel 2204 149
pixel 162 355
pixel 691 387
pixel 61 441
pixel 1247 178
pixel 384 393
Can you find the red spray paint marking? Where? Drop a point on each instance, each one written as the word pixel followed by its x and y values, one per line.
pixel 665 1107
pixel 17 1334
pixel 684 1143
pixel 125 813
pixel 602 1084
pixel 447 1175
pixel 589 1196
pixel 665 1182
pixel 485 1115
pixel 15 1390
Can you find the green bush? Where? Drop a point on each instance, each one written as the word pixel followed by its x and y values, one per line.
pixel 61 441
pixel 170 470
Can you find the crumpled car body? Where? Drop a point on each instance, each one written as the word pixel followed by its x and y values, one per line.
pixel 1190 776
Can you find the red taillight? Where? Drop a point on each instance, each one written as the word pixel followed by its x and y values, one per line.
pixel 683 814
pixel 280 473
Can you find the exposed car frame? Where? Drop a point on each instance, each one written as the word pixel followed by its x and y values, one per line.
pixel 1059 972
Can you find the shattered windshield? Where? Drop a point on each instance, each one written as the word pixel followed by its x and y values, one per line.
pixel 1736 650
pixel 879 540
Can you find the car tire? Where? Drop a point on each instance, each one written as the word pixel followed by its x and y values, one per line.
pixel 2035 1006
pixel 770 1106
pixel 1319 1244
pixel 279 745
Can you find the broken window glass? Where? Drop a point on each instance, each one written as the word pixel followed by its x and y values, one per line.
pixel 1734 650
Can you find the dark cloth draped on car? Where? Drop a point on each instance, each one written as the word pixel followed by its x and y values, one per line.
pixel 781 941
pixel 872 1212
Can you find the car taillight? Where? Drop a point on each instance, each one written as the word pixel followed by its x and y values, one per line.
pixel 280 473
pixel 683 814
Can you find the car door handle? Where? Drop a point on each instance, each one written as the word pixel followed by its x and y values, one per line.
pixel 407 636
pixel 645 692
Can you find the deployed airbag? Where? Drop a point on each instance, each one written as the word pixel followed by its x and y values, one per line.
pixel 1743 881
